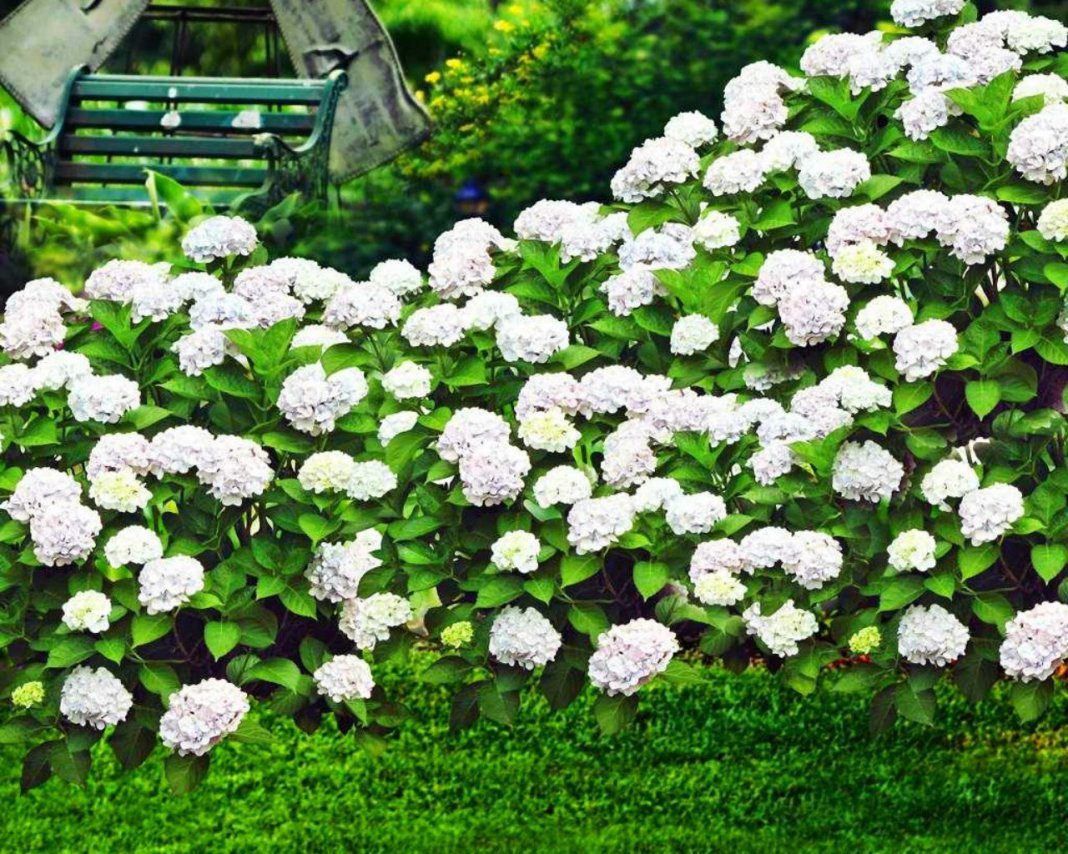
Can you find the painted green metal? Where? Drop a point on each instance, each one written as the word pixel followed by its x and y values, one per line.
pixel 77 163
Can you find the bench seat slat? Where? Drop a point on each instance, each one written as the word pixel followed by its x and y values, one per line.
pixel 199 90
pixel 207 120
pixel 111 173
pixel 162 146
pixel 136 196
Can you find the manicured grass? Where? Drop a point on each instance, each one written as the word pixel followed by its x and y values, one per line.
pixel 738 764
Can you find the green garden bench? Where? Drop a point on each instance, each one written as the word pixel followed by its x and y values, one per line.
pixel 237 142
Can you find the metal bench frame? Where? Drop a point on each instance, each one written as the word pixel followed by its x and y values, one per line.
pixel 39 170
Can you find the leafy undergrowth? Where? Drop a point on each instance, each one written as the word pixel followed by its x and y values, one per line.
pixel 738 763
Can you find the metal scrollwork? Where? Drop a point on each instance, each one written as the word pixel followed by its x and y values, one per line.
pixel 30 165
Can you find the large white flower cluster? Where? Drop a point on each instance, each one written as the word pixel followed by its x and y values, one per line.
pixel 783 630
pixel 200 716
pixel 367 621
pixel 522 637
pixel 94 698
pixel 343 678
pixel 931 635
pixel 1036 642
pixel 335 572
pixel 630 654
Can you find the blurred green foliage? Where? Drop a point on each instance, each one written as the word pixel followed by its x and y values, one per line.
pixel 738 762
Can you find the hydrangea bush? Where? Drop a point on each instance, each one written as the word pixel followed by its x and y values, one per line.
pixel 795 395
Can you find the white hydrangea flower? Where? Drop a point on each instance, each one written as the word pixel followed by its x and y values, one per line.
pixel 469 428
pixel 115 452
pixel 133 545
pixel 548 391
pixel 370 479
pixel 812 315
pixel 521 637
pixel 154 298
pixel 785 271
pixel 531 339
pixel 312 401
pixel 915 215
pixel 865 472
pixel 343 678
pixel 716 230
pixel 177 450
pixel 326 471
pixel 786 150
pixel 119 490
pixel 692 334
pixel 948 479
pixel 654 494
pixel 362 304
pixel 40 489
pixel 628 459
pixel 17 385
pixel 87 611
pixel 912 550
pixel 106 399
pixel 116 280
pixel 59 369
pixel 398 276
pixel 367 621
pixel 782 631
pixel 46 292
pixel 987 513
pixel 219 237
pixel 1036 642
pixel 609 389
pixel 437 326
pixel 1038 34
pixel 631 654
pixel 36 329
pixel 596 523
pixel 753 108
pixel 855 390
pixel 931 635
pixel 922 349
pixel 812 559
pixel 916 13
pixel 547 219
pixel 94 698
pixel 516 551
pixel 741 171
pixel 1052 87
pixel 719 588
pixel 562 485
pixel 196 285
pixel 221 309
pixel 336 569
pixel 716 557
pixel 493 473
pixel 1052 222
pixel 407 380
pixel 862 263
pixel 548 430
pixel 694 514
pixel 884 315
pixel 765 547
pixel 200 716
pixel 631 289
pixel 831 54
pixel 317 335
pixel 310 282
pixel 858 224
pixel 202 349
pixel 485 310
pixel 693 128
pixel 234 469
pixel 167 583
pixel 64 533
pixel 653 167
pixel 972 227
pixel 833 174
pixel 941 71
pixel 1038 145
pixel 393 425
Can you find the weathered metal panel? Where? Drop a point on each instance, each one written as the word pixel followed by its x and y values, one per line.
pixel 377 117
pixel 42 40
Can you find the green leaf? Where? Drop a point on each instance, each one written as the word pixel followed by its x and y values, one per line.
pixel 993 608
pixel 957 140
pixel 650 577
pixel 974 559
pixel 69 651
pixel 221 638
pixel 498 591
pixel 1049 559
pixel 280 671
pixel 37 766
pixel 577 568
pixel 909 396
pixel 900 592
pixel 298 602
pixel 132 743
pixel 1031 699
pixel 250 732
pixel 446 670
pixel 982 396
pixel 778 214
pixel 185 773
pixel 615 712
pixel 915 705
pixel 145 628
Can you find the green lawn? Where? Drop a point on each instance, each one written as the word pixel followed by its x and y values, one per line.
pixel 739 764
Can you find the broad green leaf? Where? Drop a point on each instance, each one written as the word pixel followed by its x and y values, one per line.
pixel 221 638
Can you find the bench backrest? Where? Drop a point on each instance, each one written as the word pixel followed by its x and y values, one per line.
pixel 117 125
